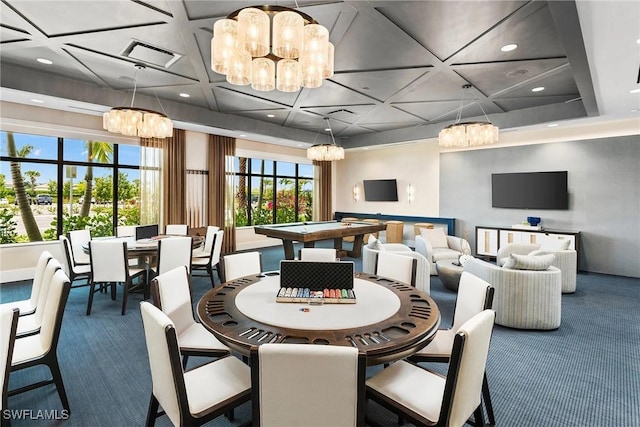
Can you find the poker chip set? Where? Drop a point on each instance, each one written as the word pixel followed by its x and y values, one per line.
pixel 316 282
pixel 326 296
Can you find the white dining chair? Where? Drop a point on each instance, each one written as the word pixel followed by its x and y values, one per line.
pixel 240 264
pixel 174 251
pixel 8 324
pixel 126 231
pixel 28 306
pixel 176 229
pixel 172 294
pixel 42 348
pixel 188 398
pixel 32 323
pixel 79 239
pixel 207 247
pixel 72 270
pixel 318 254
pixel 213 260
pixel 109 265
pixel 397 267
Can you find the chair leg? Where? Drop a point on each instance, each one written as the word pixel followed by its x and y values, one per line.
pixel 113 291
pixel 152 413
pixel 125 297
pixel 57 379
pixel 90 302
pixel 486 396
pixel 478 416
pixel 210 271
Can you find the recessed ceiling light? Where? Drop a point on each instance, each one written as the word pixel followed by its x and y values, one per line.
pixel 300 145
pixel 638 41
pixel 44 61
pixel 327 129
pixel 185 95
pixel 635 90
pixel 537 89
pixel 37 101
pixel 509 47
pixel 365 148
pixel 271 115
pixel 553 125
pixel 242 135
pixel 635 110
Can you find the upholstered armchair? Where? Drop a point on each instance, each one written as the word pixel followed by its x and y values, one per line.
pixel 435 246
pixel 523 299
pixel 566 260
pixel 369 259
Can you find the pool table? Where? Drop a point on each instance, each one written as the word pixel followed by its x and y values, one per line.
pixel 310 232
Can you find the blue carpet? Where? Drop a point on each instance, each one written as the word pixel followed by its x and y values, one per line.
pixel 586 373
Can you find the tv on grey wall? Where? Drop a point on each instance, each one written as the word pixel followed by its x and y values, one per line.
pixel 530 190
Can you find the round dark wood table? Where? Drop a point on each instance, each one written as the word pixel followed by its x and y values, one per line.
pixel 389 321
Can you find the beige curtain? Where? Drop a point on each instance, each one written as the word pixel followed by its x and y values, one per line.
pixel 150 180
pixel 174 176
pixel 197 198
pixel 221 211
pixel 322 208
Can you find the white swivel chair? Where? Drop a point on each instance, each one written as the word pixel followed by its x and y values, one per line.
pixel 79 239
pixel 72 270
pixel 172 294
pixel 213 260
pixel 426 398
pixel 8 324
pixel 318 254
pixel 176 229
pixel 398 267
pixel 207 247
pixel 32 323
pixel 174 252
pixel 42 348
pixel 240 264
pixel 322 385
pixel 436 246
pixel 370 259
pixel 474 296
pixel 28 306
pixel 109 265
pixel 188 398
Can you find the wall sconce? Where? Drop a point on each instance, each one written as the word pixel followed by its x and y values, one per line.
pixel 410 193
pixel 356 193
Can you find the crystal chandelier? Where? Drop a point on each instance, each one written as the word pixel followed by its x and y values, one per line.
pixel 298 53
pixel 326 152
pixel 468 134
pixel 138 122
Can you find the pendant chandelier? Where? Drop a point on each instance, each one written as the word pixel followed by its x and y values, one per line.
pixel 468 134
pixel 272 47
pixel 326 152
pixel 140 122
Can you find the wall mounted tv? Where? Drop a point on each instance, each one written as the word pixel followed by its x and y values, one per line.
pixel 380 190
pixel 530 190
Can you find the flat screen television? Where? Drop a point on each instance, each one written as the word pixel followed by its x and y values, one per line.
pixel 530 190
pixel 380 190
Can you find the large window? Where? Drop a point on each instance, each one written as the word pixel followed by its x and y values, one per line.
pixel 50 185
pixel 272 192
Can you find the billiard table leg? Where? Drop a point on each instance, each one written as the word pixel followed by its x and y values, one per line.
pixel 288 249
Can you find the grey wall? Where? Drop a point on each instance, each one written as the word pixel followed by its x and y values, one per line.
pixel 604 195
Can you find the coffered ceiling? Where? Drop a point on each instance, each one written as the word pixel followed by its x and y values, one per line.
pixel 400 65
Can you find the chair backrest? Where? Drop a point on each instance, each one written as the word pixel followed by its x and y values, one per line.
pixel 322 385
pixel 43 297
pixel 126 231
pixel 172 294
pixel 108 261
pixel 54 311
pixel 8 326
pixel 174 252
pixel 176 229
pixel 474 296
pixel 217 247
pixel 65 248
pixel 209 238
pixel 241 264
pixel 397 267
pixel 78 239
pixel 41 265
pixel 318 254
pixel 463 386
pixel 167 376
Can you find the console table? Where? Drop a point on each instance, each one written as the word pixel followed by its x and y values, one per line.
pixel 490 239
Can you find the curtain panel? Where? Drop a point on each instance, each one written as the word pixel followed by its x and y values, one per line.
pixel 322 207
pixel 221 209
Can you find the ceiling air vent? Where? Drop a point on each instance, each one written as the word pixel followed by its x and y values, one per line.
pixel 153 55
